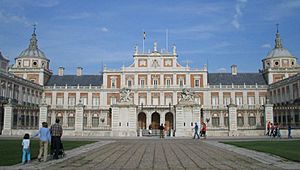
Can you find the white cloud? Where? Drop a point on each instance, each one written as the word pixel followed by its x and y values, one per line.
pixel 74 16
pixel 240 4
pixel 221 70
pixel 266 46
pixel 12 18
pixel 104 29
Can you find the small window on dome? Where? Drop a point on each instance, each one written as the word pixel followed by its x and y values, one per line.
pixel 292 63
pixel 19 63
pixel 276 63
pixel 34 63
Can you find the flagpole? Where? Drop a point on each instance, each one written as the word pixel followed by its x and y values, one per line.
pixel 143 41
pixel 167 40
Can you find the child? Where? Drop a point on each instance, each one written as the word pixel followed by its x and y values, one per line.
pixel 26 148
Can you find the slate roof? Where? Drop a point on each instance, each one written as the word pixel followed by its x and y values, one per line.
pixel 73 80
pixel 239 79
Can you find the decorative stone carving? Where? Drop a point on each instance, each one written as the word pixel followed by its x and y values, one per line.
pixel 125 95
pixel 187 95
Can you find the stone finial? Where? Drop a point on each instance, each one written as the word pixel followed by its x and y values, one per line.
pixel 136 49
pixel 278 43
pixel 155 46
pixel 174 50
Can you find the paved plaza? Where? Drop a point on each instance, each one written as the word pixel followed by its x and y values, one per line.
pixel 160 154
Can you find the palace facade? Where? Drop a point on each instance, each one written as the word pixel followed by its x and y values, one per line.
pixel 154 89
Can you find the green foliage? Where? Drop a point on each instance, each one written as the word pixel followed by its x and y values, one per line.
pixel 286 149
pixel 11 150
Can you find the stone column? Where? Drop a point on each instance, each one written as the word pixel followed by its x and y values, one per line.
pixel 43 115
pixel 79 119
pixel 162 118
pixel 8 119
pixel 148 120
pixel 232 116
pixel 221 119
pixel 268 114
pixel 246 119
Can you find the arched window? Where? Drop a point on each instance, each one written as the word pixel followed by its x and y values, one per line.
pixel 215 120
pixel 95 120
pixel 240 120
pixel 71 120
pixel 252 119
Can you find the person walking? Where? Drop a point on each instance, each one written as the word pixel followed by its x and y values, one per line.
pixel 278 131
pixel 161 130
pixel 26 149
pixel 203 130
pixel 196 131
pixel 289 132
pixel 56 133
pixel 45 138
pixel 268 128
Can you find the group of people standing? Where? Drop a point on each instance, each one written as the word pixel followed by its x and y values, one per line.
pixel 46 136
pixel 202 131
pixel 273 130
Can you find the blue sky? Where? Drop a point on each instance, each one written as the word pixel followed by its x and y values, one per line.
pixel 89 33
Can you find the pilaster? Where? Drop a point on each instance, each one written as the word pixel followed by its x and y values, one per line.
pixel 232 116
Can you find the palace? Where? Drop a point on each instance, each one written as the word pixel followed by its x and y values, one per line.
pixel 155 89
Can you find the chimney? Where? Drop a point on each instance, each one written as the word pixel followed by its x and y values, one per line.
pixel 234 69
pixel 79 71
pixel 61 71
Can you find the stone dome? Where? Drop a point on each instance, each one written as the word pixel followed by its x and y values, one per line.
pixel 32 51
pixel 279 52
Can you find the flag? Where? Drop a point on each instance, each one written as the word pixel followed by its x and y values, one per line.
pixel 144 35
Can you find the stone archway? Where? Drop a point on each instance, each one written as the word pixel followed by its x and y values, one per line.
pixel 155 120
pixel 142 120
pixel 169 120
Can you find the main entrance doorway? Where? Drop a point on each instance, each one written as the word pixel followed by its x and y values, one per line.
pixel 142 120
pixel 155 120
pixel 169 121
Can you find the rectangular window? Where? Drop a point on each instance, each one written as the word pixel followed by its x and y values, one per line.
pixel 113 100
pixel 155 101
pixel 96 101
pixel 113 83
pixel 262 100
pixel 129 83
pixel 155 82
pixel 226 101
pixel 84 100
pixel 181 82
pixel 142 82
pixel 48 100
pixel 168 82
pixel 71 101
pixel 168 100
pixel 197 84
pixel 59 101
pixel 142 101
pixel 251 101
pixel 214 100
pixel 239 100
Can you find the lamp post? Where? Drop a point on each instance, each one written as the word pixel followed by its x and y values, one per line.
pixel 201 114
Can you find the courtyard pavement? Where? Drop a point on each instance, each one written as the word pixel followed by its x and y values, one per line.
pixel 154 153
